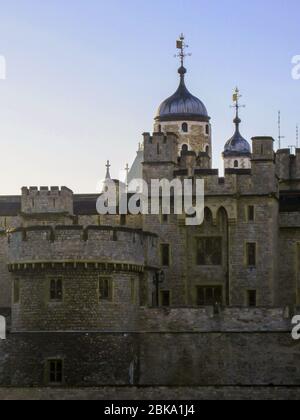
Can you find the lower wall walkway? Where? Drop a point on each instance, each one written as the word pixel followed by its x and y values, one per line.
pixel 152 393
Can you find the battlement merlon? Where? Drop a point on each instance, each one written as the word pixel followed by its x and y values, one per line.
pixel 46 190
pixel 288 166
pixel 65 244
pixel 161 152
pixel 263 166
pixel 160 147
pixel 159 135
pixel 263 148
pixel 47 200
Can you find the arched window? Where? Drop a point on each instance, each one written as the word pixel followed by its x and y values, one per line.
pixel 208 217
pixel 159 128
pixel 222 220
pixel 236 163
pixel 207 150
pixel 185 128
pixel 207 129
pixel 184 148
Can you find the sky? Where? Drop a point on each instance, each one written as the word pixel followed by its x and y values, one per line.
pixel 84 79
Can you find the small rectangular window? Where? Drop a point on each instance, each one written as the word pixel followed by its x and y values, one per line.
pixel 123 220
pixel 55 371
pixel 16 291
pixel 165 218
pixel 251 213
pixel 165 255
pixel 252 298
pixel 105 288
pixel 251 255
pixel 56 290
pixel 165 298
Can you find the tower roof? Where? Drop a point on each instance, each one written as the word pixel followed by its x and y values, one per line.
pixel 182 106
pixel 237 145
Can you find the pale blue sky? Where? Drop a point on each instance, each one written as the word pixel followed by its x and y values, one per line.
pixel 85 77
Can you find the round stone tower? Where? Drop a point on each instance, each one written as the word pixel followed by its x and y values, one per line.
pixel 73 279
pixel 185 115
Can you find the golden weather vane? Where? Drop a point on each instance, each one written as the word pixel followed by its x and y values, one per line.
pixel 236 99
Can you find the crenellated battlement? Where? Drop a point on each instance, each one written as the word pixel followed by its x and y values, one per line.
pixel 46 190
pixel 46 200
pixel 186 163
pixel 75 243
pixel 288 164
pixel 160 147
pixel 234 182
pixel 100 269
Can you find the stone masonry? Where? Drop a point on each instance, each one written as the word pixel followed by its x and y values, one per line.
pixel 145 302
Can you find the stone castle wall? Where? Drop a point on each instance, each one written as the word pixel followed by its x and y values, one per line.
pixel 219 359
pixel 245 358
pixel 79 258
pixel 205 320
pixel 45 200
pixel 81 308
pixel 155 393
pixel 5 287
pixel 73 243
pixel 121 341
pixel 197 137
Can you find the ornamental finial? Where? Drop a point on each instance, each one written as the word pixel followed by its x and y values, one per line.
pixel 236 99
pixel 108 166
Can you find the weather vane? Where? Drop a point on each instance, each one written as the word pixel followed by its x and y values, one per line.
pixel 182 46
pixel 236 99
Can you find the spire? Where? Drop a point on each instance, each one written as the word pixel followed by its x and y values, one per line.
pixel 237 145
pixel 182 105
pixel 108 166
pixel 236 99
pixel 182 47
